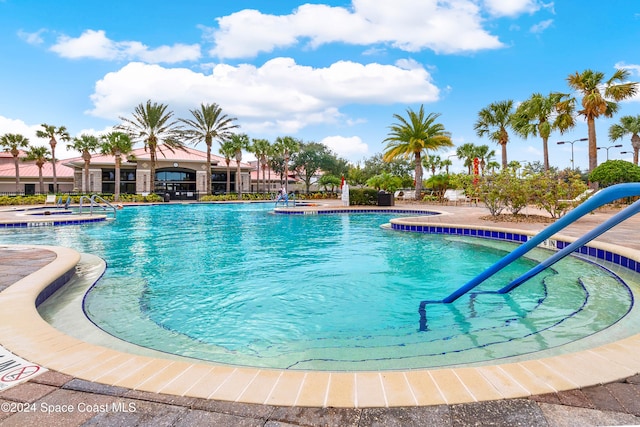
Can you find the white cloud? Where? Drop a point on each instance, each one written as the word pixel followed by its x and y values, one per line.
pixel 351 148
pixel 95 44
pixel 9 125
pixel 443 26
pixel 541 26
pixel 32 38
pixel 512 7
pixel 280 96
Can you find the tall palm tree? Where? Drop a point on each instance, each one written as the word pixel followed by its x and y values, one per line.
pixel 86 144
pixel 413 136
pixel 260 147
pixel 286 146
pixel 13 142
pixel 466 152
pixel 50 131
pixel 40 155
pixel 540 115
pixel 116 144
pixel 228 151
pixel 600 98
pixel 627 125
pixel 152 124
pixel 493 122
pixel 239 142
pixel 208 123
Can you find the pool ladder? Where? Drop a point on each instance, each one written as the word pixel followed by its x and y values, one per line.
pixel 101 204
pixel 601 198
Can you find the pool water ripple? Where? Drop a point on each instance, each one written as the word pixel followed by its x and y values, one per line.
pixel 236 284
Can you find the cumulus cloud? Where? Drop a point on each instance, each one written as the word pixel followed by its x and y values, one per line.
pixel 448 26
pixel 9 125
pixel 349 147
pixel 95 44
pixel 512 7
pixel 280 96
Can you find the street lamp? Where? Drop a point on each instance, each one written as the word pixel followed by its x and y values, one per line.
pixel 572 142
pixel 608 147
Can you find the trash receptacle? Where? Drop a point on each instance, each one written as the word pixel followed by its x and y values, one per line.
pixel 167 197
pixel 385 199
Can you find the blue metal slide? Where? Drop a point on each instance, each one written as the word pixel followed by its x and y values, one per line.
pixel 601 198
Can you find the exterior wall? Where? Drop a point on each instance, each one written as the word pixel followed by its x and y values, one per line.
pixel 143 177
pixel 95 181
pixel 201 181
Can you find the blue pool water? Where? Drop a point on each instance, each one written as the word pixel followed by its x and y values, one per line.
pixel 237 284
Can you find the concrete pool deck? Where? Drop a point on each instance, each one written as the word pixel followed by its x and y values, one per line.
pixel 562 390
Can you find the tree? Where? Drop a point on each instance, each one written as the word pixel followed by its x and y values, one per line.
pixel 466 153
pixel 208 123
pixel 39 155
pixel 627 125
pixel 13 142
pixel 152 125
pixel 615 172
pixel 540 115
pixel 261 148
pixel 238 142
pixel 49 131
pixel 116 144
pixel 329 180
pixel 484 155
pixel 85 144
pixel 228 151
pixel 286 146
pixel 413 136
pixel 600 98
pixel 311 158
pixel 493 122
pixel 432 163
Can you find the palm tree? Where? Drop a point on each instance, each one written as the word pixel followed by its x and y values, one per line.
pixel 466 153
pixel 627 125
pixel 493 165
pixel 86 144
pixel 413 136
pixel 116 144
pixel 228 151
pixel 432 163
pixel 40 155
pixel 493 122
pixel 260 147
pixel 239 142
pixel 152 125
pixel 13 142
pixel 600 98
pixel 286 146
pixel 49 131
pixel 540 115
pixel 445 164
pixel 484 155
pixel 209 123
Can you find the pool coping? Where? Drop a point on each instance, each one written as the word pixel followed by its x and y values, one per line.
pixel 26 334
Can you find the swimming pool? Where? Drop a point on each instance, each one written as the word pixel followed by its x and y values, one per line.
pixel 236 284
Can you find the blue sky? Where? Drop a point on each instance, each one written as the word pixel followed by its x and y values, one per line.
pixel 332 71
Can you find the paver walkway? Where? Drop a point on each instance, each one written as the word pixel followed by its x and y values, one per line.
pixel 54 399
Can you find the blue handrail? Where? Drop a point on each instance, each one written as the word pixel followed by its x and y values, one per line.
pixel 611 222
pixel 601 198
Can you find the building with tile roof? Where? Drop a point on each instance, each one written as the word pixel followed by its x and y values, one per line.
pixel 179 173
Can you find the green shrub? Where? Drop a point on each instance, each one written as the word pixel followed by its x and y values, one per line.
pixel 363 196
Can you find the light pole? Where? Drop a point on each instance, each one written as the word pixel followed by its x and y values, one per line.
pixel 572 142
pixel 626 152
pixel 608 147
